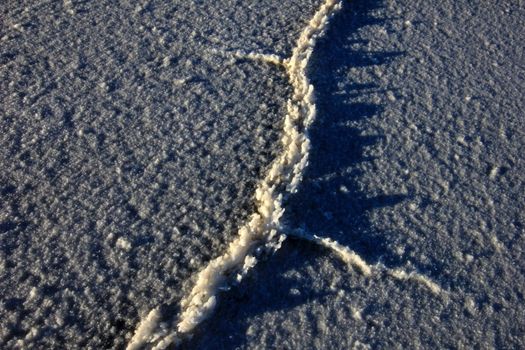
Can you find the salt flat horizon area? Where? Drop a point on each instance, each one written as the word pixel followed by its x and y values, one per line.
pixel 262 174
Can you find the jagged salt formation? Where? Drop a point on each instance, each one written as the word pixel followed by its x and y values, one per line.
pixel 347 255
pixel 262 232
pixel 353 259
pixel 284 176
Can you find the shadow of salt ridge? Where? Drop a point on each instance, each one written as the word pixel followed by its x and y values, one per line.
pixel 329 201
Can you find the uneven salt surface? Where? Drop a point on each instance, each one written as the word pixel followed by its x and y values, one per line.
pixel 129 156
pixel 372 79
pixel 415 162
pixel 263 230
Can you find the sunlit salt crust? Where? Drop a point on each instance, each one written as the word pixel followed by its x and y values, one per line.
pixel 263 231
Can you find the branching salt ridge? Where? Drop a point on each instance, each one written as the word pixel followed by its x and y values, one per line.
pixel 353 259
pixel 263 231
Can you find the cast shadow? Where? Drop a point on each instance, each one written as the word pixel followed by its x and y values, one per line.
pixel 329 201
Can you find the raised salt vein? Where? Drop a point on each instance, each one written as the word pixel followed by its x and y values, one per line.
pixel 263 231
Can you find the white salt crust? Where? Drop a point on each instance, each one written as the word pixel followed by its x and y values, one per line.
pixel 263 231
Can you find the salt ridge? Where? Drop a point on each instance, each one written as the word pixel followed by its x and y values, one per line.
pixel 263 232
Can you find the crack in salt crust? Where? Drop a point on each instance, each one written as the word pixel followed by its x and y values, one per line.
pixel 263 231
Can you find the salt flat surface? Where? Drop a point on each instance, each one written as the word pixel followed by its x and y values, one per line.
pixel 131 148
pixel 416 162
pixel 130 152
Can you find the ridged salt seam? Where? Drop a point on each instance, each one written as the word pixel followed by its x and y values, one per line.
pixel 263 231
pixel 263 228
